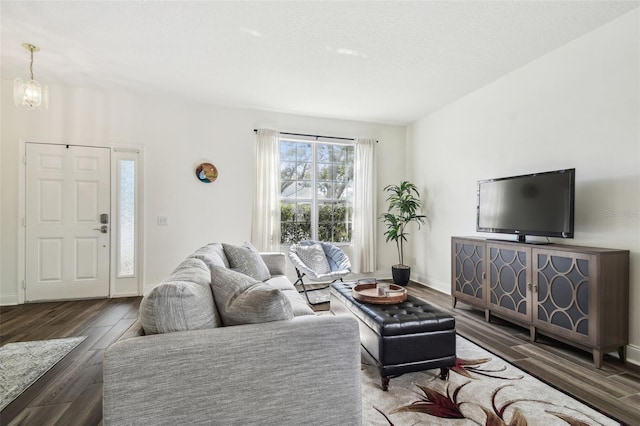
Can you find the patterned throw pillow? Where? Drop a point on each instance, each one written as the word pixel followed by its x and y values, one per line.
pixel 247 260
pixel 313 256
pixel 241 299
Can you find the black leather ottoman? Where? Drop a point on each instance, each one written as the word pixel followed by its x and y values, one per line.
pixel 401 338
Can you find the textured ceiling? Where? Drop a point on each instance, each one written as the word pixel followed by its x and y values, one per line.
pixel 381 61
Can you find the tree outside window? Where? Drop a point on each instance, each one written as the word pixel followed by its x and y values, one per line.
pixel 316 188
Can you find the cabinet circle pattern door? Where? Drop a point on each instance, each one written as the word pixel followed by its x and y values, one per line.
pixel 508 279
pixel 563 292
pixel 469 269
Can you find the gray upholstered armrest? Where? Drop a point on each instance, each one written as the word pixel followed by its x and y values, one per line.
pixel 276 263
pixel 302 371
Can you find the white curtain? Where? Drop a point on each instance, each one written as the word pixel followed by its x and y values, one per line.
pixel 265 226
pixel 363 258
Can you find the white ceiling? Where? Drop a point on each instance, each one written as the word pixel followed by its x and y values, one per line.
pixel 380 61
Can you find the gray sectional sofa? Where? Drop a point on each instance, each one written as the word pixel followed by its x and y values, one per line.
pixel 215 346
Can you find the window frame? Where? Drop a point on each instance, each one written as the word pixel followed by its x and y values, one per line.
pixel 130 284
pixel 120 229
pixel 314 201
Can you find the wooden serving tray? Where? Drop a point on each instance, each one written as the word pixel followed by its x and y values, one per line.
pixel 368 293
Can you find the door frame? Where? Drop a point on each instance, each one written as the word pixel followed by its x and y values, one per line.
pixel 130 148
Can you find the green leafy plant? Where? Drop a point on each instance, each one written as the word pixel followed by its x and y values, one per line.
pixel 404 208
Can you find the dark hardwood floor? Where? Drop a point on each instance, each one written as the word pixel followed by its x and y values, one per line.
pixel 71 392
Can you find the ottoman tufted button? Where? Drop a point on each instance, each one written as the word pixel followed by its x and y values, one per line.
pixel 411 316
pixel 410 336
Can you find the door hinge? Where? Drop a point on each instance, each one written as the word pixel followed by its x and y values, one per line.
pixel 24 221
pixel 24 284
pixel 24 159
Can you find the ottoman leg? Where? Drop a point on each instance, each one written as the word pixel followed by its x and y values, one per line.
pixel 385 383
pixel 444 373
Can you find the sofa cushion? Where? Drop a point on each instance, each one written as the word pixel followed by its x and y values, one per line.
pixel 192 270
pixel 212 255
pixel 298 304
pixel 276 263
pixel 241 299
pixel 280 282
pixel 178 306
pixel 247 260
pixel 314 258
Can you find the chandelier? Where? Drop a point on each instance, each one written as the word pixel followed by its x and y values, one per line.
pixel 30 94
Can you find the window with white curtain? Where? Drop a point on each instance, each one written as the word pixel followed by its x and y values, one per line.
pixel 316 191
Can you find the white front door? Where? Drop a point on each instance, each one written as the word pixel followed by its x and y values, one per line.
pixel 67 222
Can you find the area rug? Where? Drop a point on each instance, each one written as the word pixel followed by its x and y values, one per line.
pixel 22 363
pixel 482 389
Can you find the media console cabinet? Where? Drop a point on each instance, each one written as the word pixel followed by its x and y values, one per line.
pixel 578 295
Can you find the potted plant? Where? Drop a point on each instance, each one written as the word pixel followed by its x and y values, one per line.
pixel 404 206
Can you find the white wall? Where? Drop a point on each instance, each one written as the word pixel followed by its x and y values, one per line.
pixel 175 136
pixel 577 106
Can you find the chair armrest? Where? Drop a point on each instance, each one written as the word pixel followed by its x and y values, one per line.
pixel 276 263
pixel 302 371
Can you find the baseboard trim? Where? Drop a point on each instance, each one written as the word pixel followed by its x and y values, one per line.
pixel 130 294
pixel 8 299
pixel 433 284
pixel 633 354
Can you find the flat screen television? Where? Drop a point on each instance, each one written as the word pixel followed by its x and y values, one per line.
pixel 538 204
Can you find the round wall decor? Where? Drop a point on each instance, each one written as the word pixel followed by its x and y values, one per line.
pixel 206 172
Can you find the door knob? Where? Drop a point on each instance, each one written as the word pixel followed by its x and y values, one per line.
pixel 102 229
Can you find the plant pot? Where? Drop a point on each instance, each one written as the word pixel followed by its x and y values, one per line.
pixel 401 274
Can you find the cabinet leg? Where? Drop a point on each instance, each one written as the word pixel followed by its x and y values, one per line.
pixel 454 300
pixel 622 353
pixel 487 315
pixel 533 333
pixel 597 358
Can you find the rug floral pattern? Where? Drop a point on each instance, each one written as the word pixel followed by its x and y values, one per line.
pixel 482 389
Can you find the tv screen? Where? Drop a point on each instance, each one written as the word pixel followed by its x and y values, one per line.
pixel 538 204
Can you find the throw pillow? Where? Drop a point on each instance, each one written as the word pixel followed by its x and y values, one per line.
pixel 247 260
pixel 313 256
pixel 191 270
pixel 211 254
pixel 241 299
pixel 178 306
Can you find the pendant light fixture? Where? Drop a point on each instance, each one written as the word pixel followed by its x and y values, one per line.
pixel 30 94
